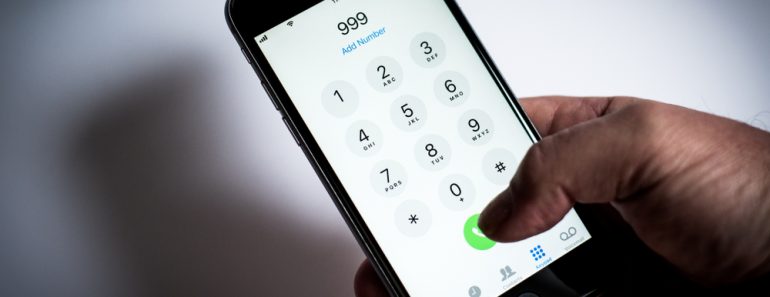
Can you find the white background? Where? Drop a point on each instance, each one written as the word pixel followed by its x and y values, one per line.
pixel 140 156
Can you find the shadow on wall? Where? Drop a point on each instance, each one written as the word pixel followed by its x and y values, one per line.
pixel 181 227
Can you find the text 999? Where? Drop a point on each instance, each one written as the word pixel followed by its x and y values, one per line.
pixel 352 23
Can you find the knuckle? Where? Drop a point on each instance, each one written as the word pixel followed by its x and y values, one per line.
pixel 647 120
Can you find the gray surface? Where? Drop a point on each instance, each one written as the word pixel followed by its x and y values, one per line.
pixel 140 157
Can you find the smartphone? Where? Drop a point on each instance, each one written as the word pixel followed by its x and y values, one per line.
pixel 412 130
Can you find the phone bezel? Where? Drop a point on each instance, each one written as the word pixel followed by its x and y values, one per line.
pixel 245 24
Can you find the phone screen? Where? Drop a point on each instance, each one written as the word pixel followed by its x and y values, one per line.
pixel 420 135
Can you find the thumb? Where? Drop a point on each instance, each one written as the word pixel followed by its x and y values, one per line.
pixel 596 161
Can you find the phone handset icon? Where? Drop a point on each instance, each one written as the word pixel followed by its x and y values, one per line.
pixel 478 232
pixel 473 235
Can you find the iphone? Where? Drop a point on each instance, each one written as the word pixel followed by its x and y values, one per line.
pixel 413 131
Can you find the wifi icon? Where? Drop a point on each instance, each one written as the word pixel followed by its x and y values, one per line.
pixel 290 23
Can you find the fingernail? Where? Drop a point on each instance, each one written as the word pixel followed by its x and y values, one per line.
pixel 495 213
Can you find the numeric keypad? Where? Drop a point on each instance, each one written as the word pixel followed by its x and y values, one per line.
pixel 409 113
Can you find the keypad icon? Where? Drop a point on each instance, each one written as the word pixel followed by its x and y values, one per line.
pixel 537 253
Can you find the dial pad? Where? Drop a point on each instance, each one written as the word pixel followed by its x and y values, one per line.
pixel 417 147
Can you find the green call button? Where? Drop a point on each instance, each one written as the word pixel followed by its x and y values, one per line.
pixel 473 235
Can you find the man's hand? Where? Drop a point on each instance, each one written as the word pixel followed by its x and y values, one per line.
pixel 694 187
